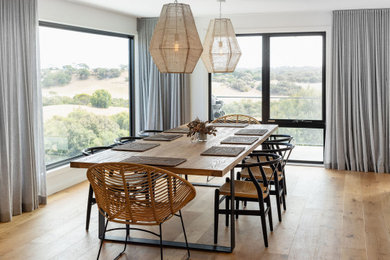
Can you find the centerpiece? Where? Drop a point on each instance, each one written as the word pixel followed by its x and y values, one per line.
pixel 198 130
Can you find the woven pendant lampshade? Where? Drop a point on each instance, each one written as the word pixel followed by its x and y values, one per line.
pixel 175 45
pixel 221 50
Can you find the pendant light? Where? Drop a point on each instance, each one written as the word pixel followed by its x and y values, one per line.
pixel 175 45
pixel 221 50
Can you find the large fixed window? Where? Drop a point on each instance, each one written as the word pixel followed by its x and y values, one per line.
pixel 86 82
pixel 280 79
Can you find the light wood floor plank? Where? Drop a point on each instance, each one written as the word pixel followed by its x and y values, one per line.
pixel 330 215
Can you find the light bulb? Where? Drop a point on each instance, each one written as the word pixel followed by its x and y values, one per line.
pixel 176 44
pixel 220 45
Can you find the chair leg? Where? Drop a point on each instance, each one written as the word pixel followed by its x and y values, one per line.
pixel 102 240
pixel 237 207
pixel 264 226
pixel 284 183
pixel 284 197
pixel 227 199
pixel 124 249
pixel 89 206
pixel 185 235
pixel 278 201
pixel 161 246
pixel 216 215
pixel 268 200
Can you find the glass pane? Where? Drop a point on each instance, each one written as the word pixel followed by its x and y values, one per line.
pixel 309 143
pixel 85 90
pixel 240 92
pixel 296 77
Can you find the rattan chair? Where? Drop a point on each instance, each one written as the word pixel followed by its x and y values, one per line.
pixel 236 118
pixel 248 191
pixel 134 194
pixel 91 200
pixel 277 178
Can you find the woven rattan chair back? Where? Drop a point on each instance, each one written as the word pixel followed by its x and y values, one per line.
pixel 236 118
pixel 138 194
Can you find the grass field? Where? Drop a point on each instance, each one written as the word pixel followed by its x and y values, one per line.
pixel 118 87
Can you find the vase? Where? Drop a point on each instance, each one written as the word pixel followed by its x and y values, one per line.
pixel 202 137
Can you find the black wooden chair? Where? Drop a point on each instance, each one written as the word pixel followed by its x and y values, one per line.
pixel 281 138
pixel 277 178
pixel 126 139
pixel 91 200
pixel 145 133
pixel 248 191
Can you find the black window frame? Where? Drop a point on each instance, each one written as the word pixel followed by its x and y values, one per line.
pixel 131 76
pixel 284 123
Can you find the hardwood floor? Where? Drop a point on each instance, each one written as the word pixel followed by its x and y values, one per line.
pixel 330 215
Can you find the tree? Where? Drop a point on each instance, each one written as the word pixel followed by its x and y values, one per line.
pixel 56 78
pixel 101 98
pixel 83 74
pixel 67 136
pixel 82 99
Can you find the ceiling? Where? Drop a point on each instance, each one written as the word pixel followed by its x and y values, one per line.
pixel 150 8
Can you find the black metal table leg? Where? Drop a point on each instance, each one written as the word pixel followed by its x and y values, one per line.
pixel 175 244
pixel 232 208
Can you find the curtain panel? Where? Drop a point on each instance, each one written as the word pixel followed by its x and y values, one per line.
pixel 22 166
pixel 163 97
pixel 358 126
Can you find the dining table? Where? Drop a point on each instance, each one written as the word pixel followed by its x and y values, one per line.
pixel 194 162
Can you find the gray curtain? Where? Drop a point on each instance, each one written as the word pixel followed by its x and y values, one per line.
pixel 22 166
pixel 163 97
pixel 358 125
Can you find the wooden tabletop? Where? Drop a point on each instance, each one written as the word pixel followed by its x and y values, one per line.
pixel 184 148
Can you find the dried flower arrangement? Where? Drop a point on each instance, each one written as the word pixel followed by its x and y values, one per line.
pixel 198 126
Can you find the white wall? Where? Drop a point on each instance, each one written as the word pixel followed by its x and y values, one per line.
pixel 65 12
pixel 256 23
pixel 68 13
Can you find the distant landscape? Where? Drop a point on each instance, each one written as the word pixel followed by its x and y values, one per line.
pixel 83 107
pixel 296 93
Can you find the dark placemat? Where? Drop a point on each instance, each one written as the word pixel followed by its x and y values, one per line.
pixel 179 130
pixel 223 151
pixel 158 161
pixel 233 125
pixel 135 147
pixel 240 140
pixel 251 131
pixel 161 137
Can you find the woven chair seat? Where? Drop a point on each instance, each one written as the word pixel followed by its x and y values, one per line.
pixel 243 189
pixel 269 173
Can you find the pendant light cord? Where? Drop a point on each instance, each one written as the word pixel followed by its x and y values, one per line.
pixel 220 9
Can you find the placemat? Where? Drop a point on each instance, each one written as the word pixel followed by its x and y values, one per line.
pixel 251 131
pixel 223 151
pixel 240 140
pixel 161 137
pixel 158 161
pixel 135 147
pixel 233 125
pixel 179 130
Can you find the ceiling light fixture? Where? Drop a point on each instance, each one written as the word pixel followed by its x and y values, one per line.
pixel 221 50
pixel 175 45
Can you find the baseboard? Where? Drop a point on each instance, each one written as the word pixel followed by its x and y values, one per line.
pixel 63 177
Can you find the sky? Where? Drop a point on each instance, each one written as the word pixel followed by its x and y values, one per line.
pixel 284 51
pixel 64 47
